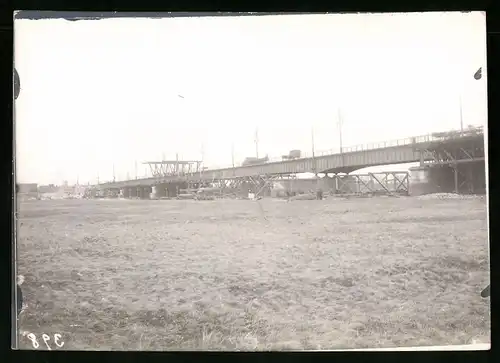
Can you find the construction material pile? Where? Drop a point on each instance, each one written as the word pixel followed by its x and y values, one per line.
pixel 186 196
pixel 210 190
pixel 450 196
pixel 205 197
pixel 303 197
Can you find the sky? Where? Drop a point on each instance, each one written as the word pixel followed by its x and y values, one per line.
pixel 100 93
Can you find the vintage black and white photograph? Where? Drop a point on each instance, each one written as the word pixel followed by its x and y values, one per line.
pixel 251 182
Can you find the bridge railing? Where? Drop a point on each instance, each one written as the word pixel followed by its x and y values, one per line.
pixel 355 148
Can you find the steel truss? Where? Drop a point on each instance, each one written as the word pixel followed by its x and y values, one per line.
pixel 372 183
pixel 258 183
pixel 452 154
pixel 391 183
pixel 265 181
pixel 197 184
pixel 173 168
pixel 230 188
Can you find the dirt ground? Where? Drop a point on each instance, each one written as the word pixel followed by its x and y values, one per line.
pixel 247 275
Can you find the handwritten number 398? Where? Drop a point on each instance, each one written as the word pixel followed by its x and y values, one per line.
pixel 46 339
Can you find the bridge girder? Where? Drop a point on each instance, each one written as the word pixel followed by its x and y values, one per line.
pixel 425 152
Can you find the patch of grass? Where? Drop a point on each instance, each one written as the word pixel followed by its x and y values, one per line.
pixel 185 275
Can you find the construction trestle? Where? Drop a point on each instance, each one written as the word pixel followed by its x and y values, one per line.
pixel 273 185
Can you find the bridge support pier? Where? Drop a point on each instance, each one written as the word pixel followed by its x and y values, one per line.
pixel 172 190
pixel 466 178
pixel 154 192
pixel 142 192
pixel 422 181
pixel 470 178
pixel 161 190
pixel 247 187
pixel 455 175
pixel 433 179
pixel 146 192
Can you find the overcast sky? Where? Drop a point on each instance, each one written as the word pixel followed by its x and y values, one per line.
pixel 98 93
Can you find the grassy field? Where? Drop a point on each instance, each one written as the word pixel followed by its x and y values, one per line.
pixel 236 275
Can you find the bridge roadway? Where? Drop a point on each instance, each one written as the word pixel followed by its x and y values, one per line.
pixel 405 151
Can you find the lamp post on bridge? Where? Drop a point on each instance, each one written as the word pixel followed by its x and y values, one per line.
pixel 232 154
pixel 319 194
pixel 202 164
pixel 339 124
pixel 256 140
pixel 313 154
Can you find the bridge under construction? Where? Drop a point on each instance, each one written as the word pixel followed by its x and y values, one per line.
pixel 452 161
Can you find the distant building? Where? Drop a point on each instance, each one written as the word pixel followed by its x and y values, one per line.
pixel 51 188
pixel 26 188
pixel 79 189
pixel 67 189
pixel 26 191
pixel 73 190
pixel 62 191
